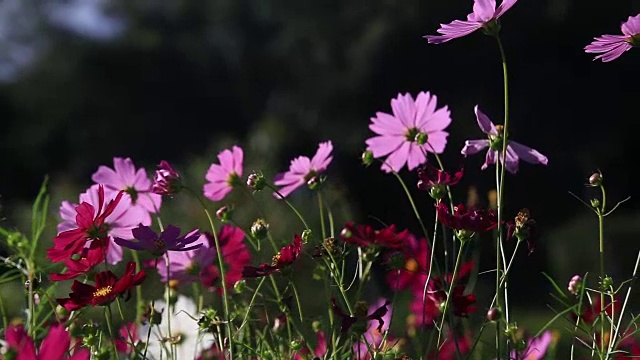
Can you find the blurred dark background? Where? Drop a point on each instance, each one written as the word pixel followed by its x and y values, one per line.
pixel 82 81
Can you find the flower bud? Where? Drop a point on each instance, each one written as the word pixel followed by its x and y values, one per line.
pixel 224 213
pixel 595 179
pixel 313 182
pixel 316 326
pixel 259 229
pixel 345 233
pixel 166 180
pixel 421 138
pixel 256 181
pixel 575 285
pixel 493 314
pixel 295 345
pixel 367 158
pixel 306 236
pixel 239 286
pixel 607 283
pixel 437 192
pixel 595 203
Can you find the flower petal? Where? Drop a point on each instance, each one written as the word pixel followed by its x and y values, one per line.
pixel 384 145
pixel 396 160
pixel 474 146
pixel 453 30
pixel 483 10
pixel 323 157
pixel 513 160
pixel 436 142
pixel 486 125
pixel 528 154
pixel 404 109
pixel 632 26
pixel 415 157
pixel 506 5
pixel 386 124
pixel 490 159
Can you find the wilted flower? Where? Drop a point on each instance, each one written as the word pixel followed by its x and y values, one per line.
pixel 287 256
pixel 436 180
pixel 485 15
pixel 304 170
pixel 612 47
pixel 414 128
pixel 107 287
pixel 169 240
pixel 166 181
pixel 515 151
pixel 54 346
pixel 523 227
pixel 222 178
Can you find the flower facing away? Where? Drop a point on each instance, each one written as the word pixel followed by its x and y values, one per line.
pixel 436 180
pixel 361 317
pixel 415 127
pixel 234 254
pixel 83 223
pixel 107 287
pixel 166 180
pixel 287 256
pixel 223 177
pixel 536 347
pixel 465 221
pixel 54 346
pixel 515 151
pixel 365 236
pixel 611 47
pixel 169 240
pixel 135 183
pixel 90 258
pixel 303 170
pixel 485 15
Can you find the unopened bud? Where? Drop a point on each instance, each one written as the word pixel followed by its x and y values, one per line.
pixel 306 235
pixel 595 203
pixel 259 229
pixel 224 213
pixel 493 314
pixel 345 233
pixel 367 158
pixel 256 181
pixel 607 283
pixel 316 326
pixel 313 182
pixel 575 285
pixel 595 179
pixel 295 345
pixel 239 286
pixel 421 138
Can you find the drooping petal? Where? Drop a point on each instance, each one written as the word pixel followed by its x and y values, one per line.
pixel 528 154
pixel 474 146
pixel 513 160
pixel 490 159
pixel 486 125
pixel 55 344
pixel 453 30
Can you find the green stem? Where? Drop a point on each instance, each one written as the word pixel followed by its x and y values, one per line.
pixel 450 293
pixel 139 309
pixel 168 306
pixel 225 297
pixel 289 204
pixel 600 213
pixel 107 317
pixel 321 209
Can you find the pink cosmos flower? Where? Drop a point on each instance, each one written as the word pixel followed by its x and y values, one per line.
pixel 303 170
pixel 536 348
pixel 611 47
pixel 118 223
pixel 415 127
pixel 515 151
pixel 374 335
pixel 484 15
pixel 222 178
pixel 134 183
pixel 54 346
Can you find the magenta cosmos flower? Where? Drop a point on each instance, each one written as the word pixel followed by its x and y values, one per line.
pixel 415 127
pixel 134 183
pixel 54 346
pixel 118 222
pixel 515 151
pixel 304 170
pixel 536 347
pixel 222 178
pixel 484 15
pixel 611 47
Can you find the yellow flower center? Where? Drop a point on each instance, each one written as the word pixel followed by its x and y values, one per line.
pixel 411 265
pixel 102 292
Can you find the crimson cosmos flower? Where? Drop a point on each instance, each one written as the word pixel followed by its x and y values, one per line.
pixel 91 226
pixel 287 256
pixel 107 287
pixel 366 236
pixel 469 220
pixel 54 346
pixel 430 177
pixel 91 257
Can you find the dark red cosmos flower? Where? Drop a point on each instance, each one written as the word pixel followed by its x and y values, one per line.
pixel 360 314
pixel 287 256
pixel 107 287
pixel 591 312
pixel 54 346
pixel 414 262
pixel 467 220
pixel 91 226
pixel 435 180
pixel 235 255
pixel 366 236
pixel 166 180
pixel 91 256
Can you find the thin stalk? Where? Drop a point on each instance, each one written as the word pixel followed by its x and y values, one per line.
pixel 624 304
pixel 107 317
pixel 289 204
pixel 221 268
pixel 139 309
pixel 450 293
pixel 600 213
pixel 168 300
pixel 321 209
